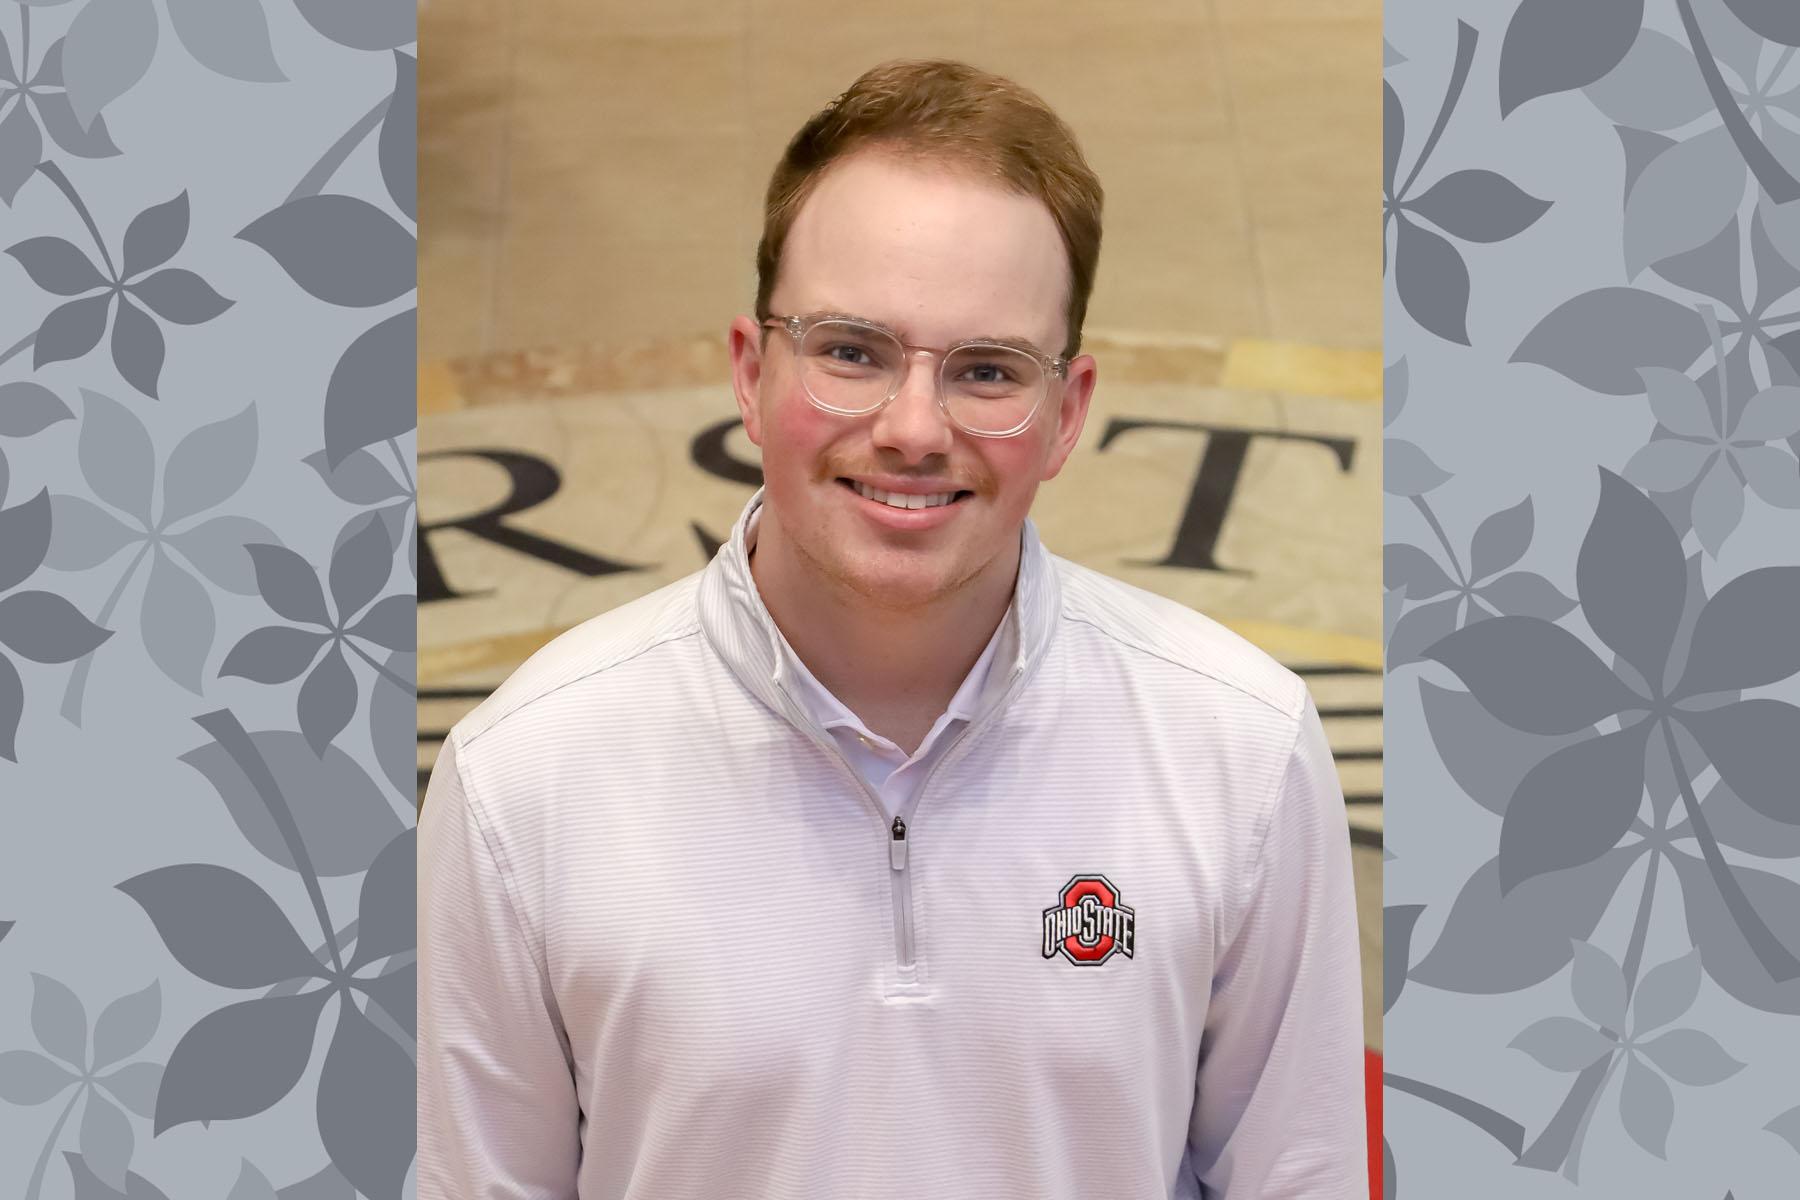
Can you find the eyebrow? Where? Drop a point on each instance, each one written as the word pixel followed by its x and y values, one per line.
pixel 1017 343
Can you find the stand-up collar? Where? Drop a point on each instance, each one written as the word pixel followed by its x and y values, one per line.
pixel 737 623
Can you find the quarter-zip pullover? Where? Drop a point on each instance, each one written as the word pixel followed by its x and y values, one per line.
pixel 672 944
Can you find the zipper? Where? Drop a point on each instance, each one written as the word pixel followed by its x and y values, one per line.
pixel 898 831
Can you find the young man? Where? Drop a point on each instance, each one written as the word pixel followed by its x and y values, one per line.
pixel 890 856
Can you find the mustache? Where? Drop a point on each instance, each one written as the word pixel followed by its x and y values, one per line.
pixel 978 481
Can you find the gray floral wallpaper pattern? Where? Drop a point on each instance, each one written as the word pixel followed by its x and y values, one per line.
pixel 1593 575
pixel 207 566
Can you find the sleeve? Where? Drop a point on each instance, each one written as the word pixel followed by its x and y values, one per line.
pixel 1278 1100
pixel 498 1114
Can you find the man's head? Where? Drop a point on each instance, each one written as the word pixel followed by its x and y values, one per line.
pixel 945 205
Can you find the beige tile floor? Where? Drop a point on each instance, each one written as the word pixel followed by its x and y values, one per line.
pixel 591 174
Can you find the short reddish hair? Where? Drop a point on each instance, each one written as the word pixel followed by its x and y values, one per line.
pixel 949 112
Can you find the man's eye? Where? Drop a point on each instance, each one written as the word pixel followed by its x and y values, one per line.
pixel 853 355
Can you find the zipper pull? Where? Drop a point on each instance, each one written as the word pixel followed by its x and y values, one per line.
pixel 897 846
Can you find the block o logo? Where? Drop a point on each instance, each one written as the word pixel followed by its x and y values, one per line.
pixel 1089 925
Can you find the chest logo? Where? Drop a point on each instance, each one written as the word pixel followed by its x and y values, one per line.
pixel 1089 925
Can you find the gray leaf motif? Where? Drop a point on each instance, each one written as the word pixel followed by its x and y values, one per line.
pixel 1574 806
pixel 178 623
pixel 106 1139
pixel 1646 1107
pixel 399 137
pixel 58 1020
pixel 360 565
pixel 127 1025
pixel 359 478
pixel 387 918
pixel 46 628
pixel 115 455
pixel 107 50
pixel 12 711
pixel 83 535
pixel 1599 986
pixel 1787 1127
pixel 1678 403
pixel 342 816
pixel 1600 338
pixel 1478 206
pixel 1711 268
pixel 366 1106
pixel 179 295
pixel 1773 19
pixel 327 700
pixel 137 348
pixel 251 1184
pixel 1486 758
pixel 219 549
pixel 24 539
pixel 1494 942
pixel 391 623
pixel 230 37
pixel 57 265
pixel 1407 470
pixel 396 990
pixel 1655 86
pixel 1631 577
pixel 1501 540
pixel 372 393
pixel 27 1077
pixel 154 236
pixel 289 585
pixel 21 146
pixel 394 722
pixel 1755 746
pixel 1431 281
pixel 1534 676
pixel 221 926
pixel 70 330
pixel 1691 1057
pixel 1684 196
pixel 1730 960
pixel 362 24
pixel 339 249
pixel 1397 922
pixel 1741 638
pixel 1525 594
pixel 27 408
pixel 1413 569
pixel 1563 1043
pixel 209 465
pixel 1424 626
pixel 1668 990
pixel 1393 136
pixel 1718 506
pixel 240 1060
pixel 273 654
pixel 135 1084
pixel 1739 826
pixel 1555 47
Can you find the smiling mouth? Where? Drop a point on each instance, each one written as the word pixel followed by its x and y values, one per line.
pixel 904 500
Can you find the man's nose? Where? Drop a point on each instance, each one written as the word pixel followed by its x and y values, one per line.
pixel 912 423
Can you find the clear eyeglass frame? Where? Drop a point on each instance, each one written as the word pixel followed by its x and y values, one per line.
pixel 798 327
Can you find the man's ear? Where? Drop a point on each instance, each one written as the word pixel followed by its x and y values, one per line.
pixel 745 341
pixel 1071 413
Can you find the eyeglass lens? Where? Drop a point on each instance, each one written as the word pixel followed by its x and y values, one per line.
pixel 852 369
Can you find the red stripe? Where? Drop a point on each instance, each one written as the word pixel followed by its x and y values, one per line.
pixel 1372 1103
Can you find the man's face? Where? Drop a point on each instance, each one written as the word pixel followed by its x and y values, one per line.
pixel 939 256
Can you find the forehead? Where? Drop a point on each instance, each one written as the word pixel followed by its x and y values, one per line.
pixel 932 251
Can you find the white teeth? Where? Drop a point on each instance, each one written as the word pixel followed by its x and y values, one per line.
pixel 902 499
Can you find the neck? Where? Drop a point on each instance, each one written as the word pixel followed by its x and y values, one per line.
pixel 895 668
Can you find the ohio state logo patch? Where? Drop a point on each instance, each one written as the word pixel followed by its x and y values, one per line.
pixel 1089 925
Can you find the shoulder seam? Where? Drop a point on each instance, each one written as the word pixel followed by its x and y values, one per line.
pixel 1132 644
pixel 534 697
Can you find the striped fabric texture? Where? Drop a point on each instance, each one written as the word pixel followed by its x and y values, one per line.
pixel 670 945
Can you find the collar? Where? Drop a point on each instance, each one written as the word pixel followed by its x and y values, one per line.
pixel 738 625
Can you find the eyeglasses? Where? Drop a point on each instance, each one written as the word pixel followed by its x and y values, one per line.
pixel 852 367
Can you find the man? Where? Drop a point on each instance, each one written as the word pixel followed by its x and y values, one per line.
pixel 890 856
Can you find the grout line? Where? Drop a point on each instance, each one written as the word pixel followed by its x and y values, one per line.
pixel 1222 69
